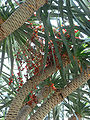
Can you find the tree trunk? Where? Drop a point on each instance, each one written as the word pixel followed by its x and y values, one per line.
pixel 23 92
pixel 27 87
pixel 24 112
pixel 18 18
pixel 58 97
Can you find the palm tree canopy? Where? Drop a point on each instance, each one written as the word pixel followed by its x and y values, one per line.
pixel 37 35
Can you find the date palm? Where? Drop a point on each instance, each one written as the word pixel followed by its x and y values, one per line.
pixel 15 33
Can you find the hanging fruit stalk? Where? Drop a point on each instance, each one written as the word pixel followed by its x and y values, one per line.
pixel 28 86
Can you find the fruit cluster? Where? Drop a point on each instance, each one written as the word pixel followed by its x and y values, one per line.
pixel 30 58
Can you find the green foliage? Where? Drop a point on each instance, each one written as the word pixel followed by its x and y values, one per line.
pixel 74 45
pixel 78 103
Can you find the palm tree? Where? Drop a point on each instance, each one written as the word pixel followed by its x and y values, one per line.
pixel 54 47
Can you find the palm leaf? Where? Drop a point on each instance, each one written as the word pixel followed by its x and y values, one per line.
pixel 3 55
